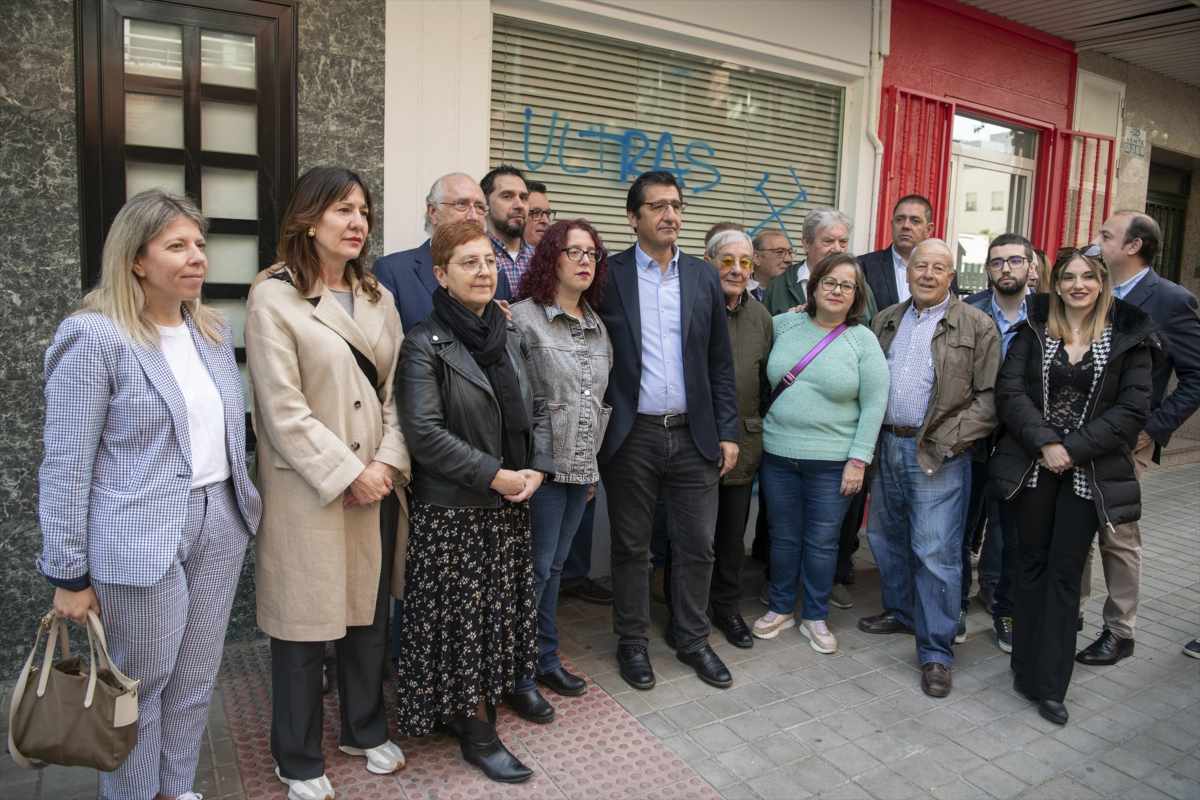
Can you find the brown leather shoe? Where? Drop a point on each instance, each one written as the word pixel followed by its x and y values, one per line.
pixel 935 679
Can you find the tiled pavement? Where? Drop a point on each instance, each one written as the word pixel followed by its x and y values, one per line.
pixel 798 724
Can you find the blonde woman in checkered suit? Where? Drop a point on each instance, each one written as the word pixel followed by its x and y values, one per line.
pixel 146 506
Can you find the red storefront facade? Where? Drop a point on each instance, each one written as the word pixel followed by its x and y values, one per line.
pixel 953 68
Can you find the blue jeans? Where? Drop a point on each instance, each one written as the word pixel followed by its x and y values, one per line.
pixel 579 559
pixel 556 509
pixel 805 524
pixel 915 532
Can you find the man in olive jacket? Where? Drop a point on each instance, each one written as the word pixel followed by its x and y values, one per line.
pixel 943 356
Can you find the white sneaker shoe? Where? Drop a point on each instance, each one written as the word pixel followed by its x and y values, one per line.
pixel 820 638
pixel 311 789
pixel 770 624
pixel 190 796
pixel 383 759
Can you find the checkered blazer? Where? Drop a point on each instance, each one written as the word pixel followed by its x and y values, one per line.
pixel 117 469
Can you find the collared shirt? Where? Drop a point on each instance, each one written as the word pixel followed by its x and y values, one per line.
pixel 900 267
pixel 757 290
pixel 910 361
pixel 661 390
pixel 1008 328
pixel 513 268
pixel 1122 289
pixel 802 273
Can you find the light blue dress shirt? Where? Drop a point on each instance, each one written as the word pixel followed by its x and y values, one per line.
pixel 1008 328
pixel 661 390
pixel 1122 289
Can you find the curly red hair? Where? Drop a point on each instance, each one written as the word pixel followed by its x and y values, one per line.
pixel 541 279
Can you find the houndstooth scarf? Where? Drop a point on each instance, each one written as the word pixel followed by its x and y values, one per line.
pixel 1100 351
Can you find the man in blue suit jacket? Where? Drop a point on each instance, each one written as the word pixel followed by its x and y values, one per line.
pixel 1129 241
pixel 408 275
pixel 673 429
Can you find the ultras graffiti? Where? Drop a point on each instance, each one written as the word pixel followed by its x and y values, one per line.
pixel 625 153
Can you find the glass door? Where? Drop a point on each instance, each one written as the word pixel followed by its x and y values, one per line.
pixel 991 183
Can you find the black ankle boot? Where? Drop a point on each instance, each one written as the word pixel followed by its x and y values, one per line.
pixel 482 748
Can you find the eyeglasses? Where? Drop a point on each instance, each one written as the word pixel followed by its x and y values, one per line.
pixel 936 269
pixel 781 252
pixel 832 285
pixel 542 213
pixel 462 206
pixel 660 206
pixel 726 263
pixel 577 254
pixel 1013 262
pixel 477 264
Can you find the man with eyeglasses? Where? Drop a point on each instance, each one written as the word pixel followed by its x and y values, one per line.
pixel 886 269
pixel 919 490
pixel 540 215
pixel 507 198
pixel 408 274
pixel 1010 264
pixel 825 231
pixel 1128 242
pixel 674 428
pixel 773 254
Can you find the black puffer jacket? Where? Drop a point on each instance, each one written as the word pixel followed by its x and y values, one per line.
pixel 1116 412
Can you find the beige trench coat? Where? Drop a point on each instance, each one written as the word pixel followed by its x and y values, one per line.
pixel 319 421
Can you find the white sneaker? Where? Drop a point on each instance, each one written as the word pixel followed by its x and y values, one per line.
pixel 770 624
pixel 190 796
pixel 311 789
pixel 820 638
pixel 383 759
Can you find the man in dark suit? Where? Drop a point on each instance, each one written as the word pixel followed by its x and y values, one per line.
pixel 408 275
pixel 1129 241
pixel 912 223
pixel 674 427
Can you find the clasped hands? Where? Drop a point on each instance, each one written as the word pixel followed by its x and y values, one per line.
pixel 371 485
pixel 1055 458
pixel 517 485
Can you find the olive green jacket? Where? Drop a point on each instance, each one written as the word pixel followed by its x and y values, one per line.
pixel 751 333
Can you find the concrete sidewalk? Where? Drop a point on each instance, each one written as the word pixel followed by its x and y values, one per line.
pixel 797 724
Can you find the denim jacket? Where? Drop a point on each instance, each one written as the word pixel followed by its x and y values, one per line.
pixel 570 361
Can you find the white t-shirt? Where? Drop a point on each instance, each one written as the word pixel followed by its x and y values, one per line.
pixel 206 412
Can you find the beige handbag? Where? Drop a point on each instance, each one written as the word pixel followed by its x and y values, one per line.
pixel 77 714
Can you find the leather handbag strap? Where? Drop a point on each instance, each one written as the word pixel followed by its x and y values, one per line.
pixel 795 371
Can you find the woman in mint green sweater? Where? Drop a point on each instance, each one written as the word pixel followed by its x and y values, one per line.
pixel 818 438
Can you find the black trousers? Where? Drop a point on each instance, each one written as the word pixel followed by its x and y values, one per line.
pixel 1055 527
pixel 297 708
pixel 848 540
pixel 653 461
pixel 729 549
pixel 976 517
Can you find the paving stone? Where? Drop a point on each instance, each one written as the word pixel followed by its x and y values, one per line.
pixel 746 762
pixel 851 759
pixel 816 735
pixel 885 784
pixel 782 748
pixel 716 738
pixel 1061 788
pixel 776 785
pixel 996 782
pixel 722 705
pixel 1025 767
pixel 785 713
pixel 1101 777
pixel 888 748
pixel 1181 787
pixel 815 774
pixel 688 715
pixel 752 725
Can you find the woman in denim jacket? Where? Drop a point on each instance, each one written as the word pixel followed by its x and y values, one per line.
pixel 571 356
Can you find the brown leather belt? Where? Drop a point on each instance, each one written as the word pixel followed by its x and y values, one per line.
pixel 901 431
pixel 665 420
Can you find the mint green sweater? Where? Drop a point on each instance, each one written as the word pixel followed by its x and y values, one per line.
pixel 834 409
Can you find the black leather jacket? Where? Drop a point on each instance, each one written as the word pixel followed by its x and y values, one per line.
pixel 451 419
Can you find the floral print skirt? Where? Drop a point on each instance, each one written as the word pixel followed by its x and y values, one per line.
pixel 467 627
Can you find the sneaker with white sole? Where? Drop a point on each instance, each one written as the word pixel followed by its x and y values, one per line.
pixel 311 789
pixel 383 759
pixel 770 624
pixel 190 796
pixel 840 597
pixel 820 638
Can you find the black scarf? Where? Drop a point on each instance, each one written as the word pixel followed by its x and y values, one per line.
pixel 486 339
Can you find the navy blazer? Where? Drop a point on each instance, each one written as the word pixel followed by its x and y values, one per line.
pixel 881 276
pixel 1174 311
pixel 707 355
pixel 408 275
pixel 117 468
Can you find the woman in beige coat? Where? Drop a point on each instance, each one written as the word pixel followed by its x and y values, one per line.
pixel 322 340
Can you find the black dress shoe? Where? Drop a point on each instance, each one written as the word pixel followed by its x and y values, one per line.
pixel 709 666
pixel 1054 711
pixel 530 705
pixel 563 683
pixel 1106 650
pixel 586 590
pixel 887 622
pixel 482 748
pixel 634 665
pixel 735 629
pixel 936 679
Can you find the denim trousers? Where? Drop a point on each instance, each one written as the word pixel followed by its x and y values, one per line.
pixel 915 532
pixel 579 559
pixel 805 523
pixel 555 511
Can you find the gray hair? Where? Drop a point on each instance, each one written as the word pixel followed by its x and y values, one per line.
pixel 820 218
pixel 723 239
pixel 436 192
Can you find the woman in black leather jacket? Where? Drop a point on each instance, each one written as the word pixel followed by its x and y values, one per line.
pixel 1072 395
pixel 480 444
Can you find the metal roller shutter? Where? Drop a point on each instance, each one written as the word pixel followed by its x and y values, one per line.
pixel 586 115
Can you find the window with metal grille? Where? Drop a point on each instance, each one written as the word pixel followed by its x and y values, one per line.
pixel 587 115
